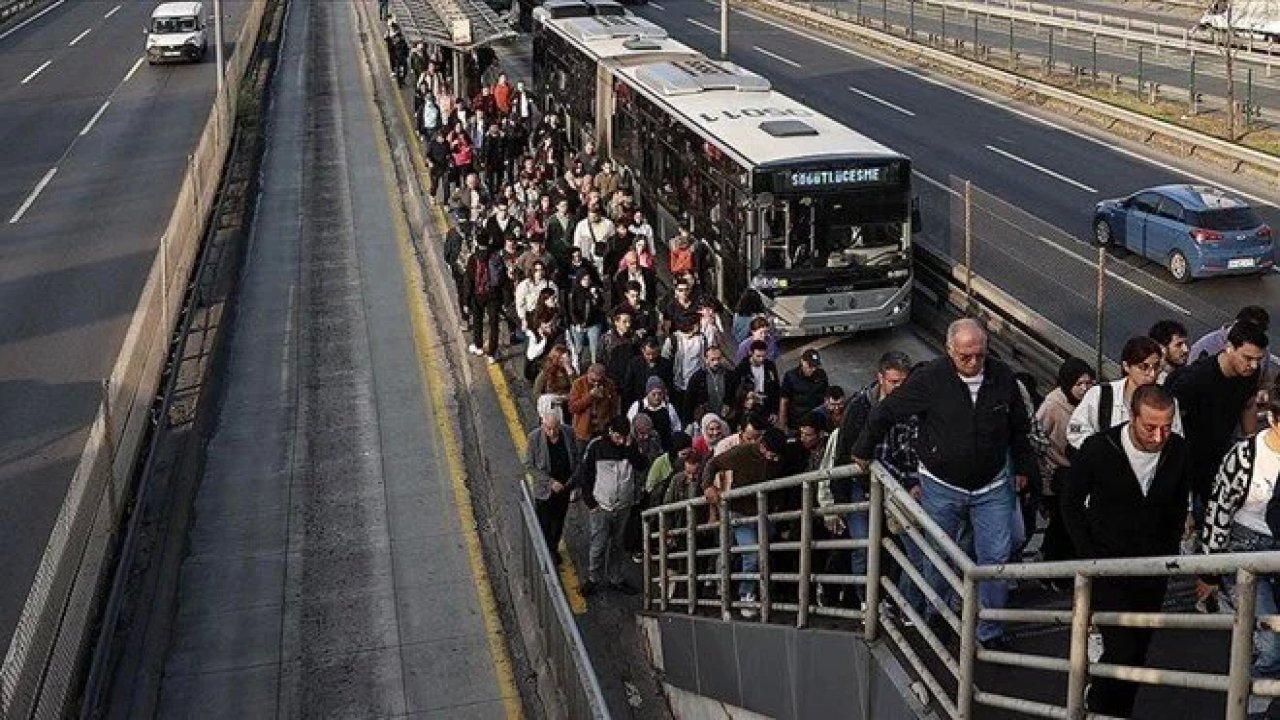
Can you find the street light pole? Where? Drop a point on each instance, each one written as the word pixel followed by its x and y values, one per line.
pixel 724 29
pixel 221 68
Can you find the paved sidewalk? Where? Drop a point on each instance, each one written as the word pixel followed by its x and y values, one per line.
pixel 328 574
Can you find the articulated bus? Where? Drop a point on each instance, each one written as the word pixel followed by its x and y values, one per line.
pixel 813 215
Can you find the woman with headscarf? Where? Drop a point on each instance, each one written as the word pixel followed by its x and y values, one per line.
pixel 711 430
pixel 1075 377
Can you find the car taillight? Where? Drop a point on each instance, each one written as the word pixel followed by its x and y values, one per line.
pixel 1202 236
pixel 1264 231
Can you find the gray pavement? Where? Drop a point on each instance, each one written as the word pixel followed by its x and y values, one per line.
pixel 328 573
pixel 72 266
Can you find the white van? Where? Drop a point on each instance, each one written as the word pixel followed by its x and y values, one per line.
pixel 177 32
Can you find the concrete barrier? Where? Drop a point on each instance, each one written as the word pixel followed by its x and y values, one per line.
pixel 44 664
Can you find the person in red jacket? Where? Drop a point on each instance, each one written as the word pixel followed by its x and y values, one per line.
pixel 502 94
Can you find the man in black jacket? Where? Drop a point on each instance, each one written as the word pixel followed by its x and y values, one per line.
pixel 758 374
pixel 972 420
pixel 1126 495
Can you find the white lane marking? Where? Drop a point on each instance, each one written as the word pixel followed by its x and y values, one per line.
pixel 112 11
pixel 702 25
pixel 882 101
pixel 1020 113
pixel 79 37
pixel 1122 280
pixel 34 194
pixel 36 72
pixel 656 5
pixel 132 70
pixel 1041 168
pixel 775 56
pixel 30 20
pixel 89 126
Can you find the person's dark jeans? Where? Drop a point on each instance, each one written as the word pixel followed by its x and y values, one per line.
pixel 1057 543
pixel 494 311
pixel 485 312
pixel 551 514
pixel 1123 646
pixel 438 184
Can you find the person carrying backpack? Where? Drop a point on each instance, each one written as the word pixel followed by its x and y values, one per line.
pixel 482 287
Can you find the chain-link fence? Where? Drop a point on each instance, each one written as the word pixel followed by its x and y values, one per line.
pixel 1052 272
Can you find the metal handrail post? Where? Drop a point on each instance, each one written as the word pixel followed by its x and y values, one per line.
pixel 648 558
pixel 762 556
pixel 875 539
pixel 726 560
pixel 968 648
pixel 1081 616
pixel 662 561
pixel 806 552
pixel 1238 678
pixel 691 543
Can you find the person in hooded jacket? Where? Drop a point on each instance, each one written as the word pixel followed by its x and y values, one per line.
pixel 606 478
pixel 1075 377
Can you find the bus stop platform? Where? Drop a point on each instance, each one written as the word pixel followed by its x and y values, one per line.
pixel 333 567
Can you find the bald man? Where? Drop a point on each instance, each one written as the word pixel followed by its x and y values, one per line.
pixel 973 449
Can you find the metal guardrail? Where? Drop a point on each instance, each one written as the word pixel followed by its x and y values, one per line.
pixel 1238 158
pixel 42 668
pixel 675 547
pixel 8 10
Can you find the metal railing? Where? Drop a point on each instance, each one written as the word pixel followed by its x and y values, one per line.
pixel 681 547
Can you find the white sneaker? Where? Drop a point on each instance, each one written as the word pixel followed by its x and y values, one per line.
pixel 1095 646
pixel 748 613
pixel 493 360
pixel 474 350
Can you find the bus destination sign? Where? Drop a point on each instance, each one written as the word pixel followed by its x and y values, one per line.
pixel 834 178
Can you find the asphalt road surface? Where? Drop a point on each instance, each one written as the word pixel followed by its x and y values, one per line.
pixel 1049 171
pixel 95 143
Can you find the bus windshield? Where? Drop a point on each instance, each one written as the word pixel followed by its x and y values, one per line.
pixel 833 231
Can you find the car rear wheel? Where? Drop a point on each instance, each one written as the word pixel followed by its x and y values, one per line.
pixel 1102 232
pixel 1179 268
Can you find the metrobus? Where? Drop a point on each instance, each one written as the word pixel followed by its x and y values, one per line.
pixel 814 216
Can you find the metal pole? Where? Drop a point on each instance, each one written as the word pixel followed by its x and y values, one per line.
pixel 875 533
pixel 1013 53
pixel 857 11
pixel 911 19
pixel 1139 71
pixel 219 65
pixel 1078 679
pixel 724 29
pixel 1191 85
pixel 1248 96
pixel 884 15
pixel 762 553
pixel 726 561
pixel 1101 301
pixel 1050 66
pixel 806 552
pixel 944 25
pixel 691 540
pixel 968 243
pixel 648 580
pixel 1094 76
pixel 968 648
pixel 662 560
pixel 1238 678
pixel 975 36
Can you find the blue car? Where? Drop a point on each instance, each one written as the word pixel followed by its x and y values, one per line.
pixel 1193 230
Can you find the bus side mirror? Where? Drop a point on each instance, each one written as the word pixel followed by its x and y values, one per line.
pixel 917 220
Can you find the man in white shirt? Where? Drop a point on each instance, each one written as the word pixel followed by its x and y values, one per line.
pixel 594 233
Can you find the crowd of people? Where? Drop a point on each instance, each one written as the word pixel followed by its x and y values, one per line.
pixel 645 398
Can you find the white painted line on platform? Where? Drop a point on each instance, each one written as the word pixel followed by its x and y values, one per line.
pixel 34 194
pixel 702 25
pixel 775 56
pixel 1122 280
pixel 1041 168
pixel 112 11
pixel 79 37
pixel 132 70
pixel 94 119
pixel 36 72
pixel 1007 108
pixel 30 20
pixel 882 101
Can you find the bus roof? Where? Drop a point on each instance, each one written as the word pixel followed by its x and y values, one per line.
pixel 741 110
pixel 723 102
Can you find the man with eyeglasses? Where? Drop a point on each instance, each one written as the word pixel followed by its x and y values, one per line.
pixel 1216 395
pixel 973 449
pixel 1106 405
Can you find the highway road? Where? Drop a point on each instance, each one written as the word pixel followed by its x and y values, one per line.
pixel 95 142
pixel 1049 168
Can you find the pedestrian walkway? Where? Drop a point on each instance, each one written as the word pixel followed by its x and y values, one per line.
pixel 331 572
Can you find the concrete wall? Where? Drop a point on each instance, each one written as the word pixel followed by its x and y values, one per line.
pixel 719 669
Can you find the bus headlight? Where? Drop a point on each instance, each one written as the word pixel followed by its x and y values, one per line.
pixel 900 274
pixel 768 283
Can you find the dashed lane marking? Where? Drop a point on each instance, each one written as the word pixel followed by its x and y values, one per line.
pixel 112 11
pixel 704 26
pixel 775 56
pixel 26 204
pixel 93 120
pixel 79 37
pixel 882 101
pixel 36 72
pixel 1040 168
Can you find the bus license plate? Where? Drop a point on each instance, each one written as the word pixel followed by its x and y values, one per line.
pixel 1240 263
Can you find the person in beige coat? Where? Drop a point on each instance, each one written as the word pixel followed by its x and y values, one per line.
pixel 1075 377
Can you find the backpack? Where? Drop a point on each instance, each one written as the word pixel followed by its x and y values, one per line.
pixel 1106 402
pixel 430 117
pixel 480 286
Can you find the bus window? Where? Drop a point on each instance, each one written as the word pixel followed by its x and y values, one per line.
pixel 809 233
pixel 775 232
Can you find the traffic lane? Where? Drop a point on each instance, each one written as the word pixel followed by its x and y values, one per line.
pixel 81 256
pixel 1109 165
